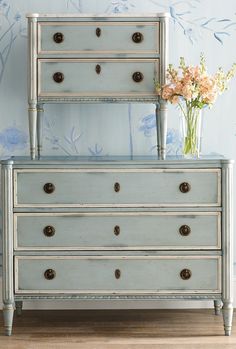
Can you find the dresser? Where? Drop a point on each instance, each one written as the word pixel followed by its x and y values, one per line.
pixel 96 59
pixel 117 229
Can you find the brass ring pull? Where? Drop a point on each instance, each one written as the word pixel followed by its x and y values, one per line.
pixel 49 274
pixel 185 274
pixel 49 231
pixel 117 230
pixel 49 188
pixel 185 187
pixel 98 32
pixel 98 69
pixel 137 37
pixel 117 187
pixel 117 273
pixel 184 230
pixel 58 38
pixel 58 77
pixel 138 76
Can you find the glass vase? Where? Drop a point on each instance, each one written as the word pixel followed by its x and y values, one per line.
pixel 191 120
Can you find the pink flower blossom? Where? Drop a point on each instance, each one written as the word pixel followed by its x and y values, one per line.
pixel 194 84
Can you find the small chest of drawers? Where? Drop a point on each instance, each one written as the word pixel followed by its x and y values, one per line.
pixel 96 59
pixel 117 229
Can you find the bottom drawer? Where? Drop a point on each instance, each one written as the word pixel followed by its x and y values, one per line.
pixel 117 274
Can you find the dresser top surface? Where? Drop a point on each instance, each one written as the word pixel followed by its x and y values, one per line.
pixel 149 161
pixel 93 16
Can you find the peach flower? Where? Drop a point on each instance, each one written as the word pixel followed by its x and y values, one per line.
pixel 194 84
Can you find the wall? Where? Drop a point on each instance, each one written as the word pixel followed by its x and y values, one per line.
pixel 196 26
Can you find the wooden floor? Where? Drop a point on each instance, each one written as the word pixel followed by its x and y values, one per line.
pixel 118 329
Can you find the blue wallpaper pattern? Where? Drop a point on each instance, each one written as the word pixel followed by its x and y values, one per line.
pixel 196 26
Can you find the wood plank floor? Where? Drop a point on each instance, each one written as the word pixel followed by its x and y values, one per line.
pixel 118 329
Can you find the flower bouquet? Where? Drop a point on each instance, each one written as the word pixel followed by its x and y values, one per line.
pixel 193 89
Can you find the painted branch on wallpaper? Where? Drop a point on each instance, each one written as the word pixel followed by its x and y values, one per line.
pixel 193 27
pixel 73 139
pixel 11 27
pixel 68 144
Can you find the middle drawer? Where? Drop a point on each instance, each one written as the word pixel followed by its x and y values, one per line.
pixel 123 231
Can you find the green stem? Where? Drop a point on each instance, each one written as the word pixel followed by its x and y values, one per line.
pixel 191 118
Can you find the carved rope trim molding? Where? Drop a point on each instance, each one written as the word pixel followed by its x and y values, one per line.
pixel 101 99
pixel 119 297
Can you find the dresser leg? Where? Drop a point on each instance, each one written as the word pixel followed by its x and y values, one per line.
pixel 217 306
pixel 40 112
pixel 8 312
pixel 163 128
pixel 227 316
pixel 158 128
pixel 32 129
pixel 18 305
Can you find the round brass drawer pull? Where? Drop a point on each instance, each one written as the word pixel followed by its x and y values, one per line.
pixel 137 37
pixel 98 69
pixel 58 38
pixel 98 32
pixel 49 188
pixel 184 230
pixel 49 231
pixel 117 230
pixel 138 76
pixel 117 187
pixel 185 187
pixel 49 274
pixel 58 77
pixel 185 274
pixel 117 273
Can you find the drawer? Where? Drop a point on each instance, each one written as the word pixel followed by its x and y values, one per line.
pixel 98 37
pixel 68 77
pixel 117 274
pixel 107 231
pixel 116 188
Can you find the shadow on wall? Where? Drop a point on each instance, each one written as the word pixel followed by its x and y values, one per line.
pixel 11 28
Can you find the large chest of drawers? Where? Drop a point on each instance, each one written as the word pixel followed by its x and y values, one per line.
pixel 117 229
pixel 96 59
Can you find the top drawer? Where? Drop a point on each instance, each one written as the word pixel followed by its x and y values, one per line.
pixel 116 187
pixel 96 38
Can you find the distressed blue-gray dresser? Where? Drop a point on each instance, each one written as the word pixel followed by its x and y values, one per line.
pixel 117 229
pixel 96 59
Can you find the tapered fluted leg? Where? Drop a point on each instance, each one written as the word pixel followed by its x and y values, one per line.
pixel 32 129
pixel 163 128
pixel 158 127
pixel 217 306
pixel 228 317
pixel 8 312
pixel 18 305
pixel 40 112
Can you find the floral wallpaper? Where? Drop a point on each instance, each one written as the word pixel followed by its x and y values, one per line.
pixel 196 26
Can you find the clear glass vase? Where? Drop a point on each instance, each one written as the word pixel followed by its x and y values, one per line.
pixel 191 120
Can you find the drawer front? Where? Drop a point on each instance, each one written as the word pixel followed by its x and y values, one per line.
pixel 97 77
pixel 117 231
pixel 90 38
pixel 116 188
pixel 117 274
